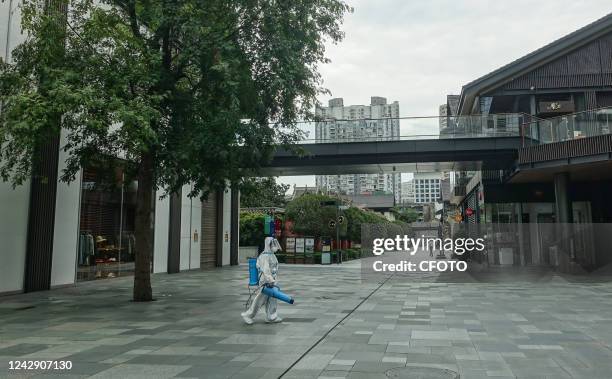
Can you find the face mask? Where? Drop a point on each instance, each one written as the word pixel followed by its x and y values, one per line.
pixel 275 246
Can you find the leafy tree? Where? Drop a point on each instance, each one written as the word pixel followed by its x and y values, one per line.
pixel 251 228
pixel 310 218
pixel 405 214
pixel 263 192
pixel 190 91
pixel 356 217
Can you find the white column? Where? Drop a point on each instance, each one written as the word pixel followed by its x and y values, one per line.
pixel 66 230
pixel 227 220
pixel 191 220
pixel 185 228
pixel 196 233
pixel 13 234
pixel 162 216
pixel 13 202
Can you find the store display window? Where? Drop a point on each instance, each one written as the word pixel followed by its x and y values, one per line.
pixel 107 242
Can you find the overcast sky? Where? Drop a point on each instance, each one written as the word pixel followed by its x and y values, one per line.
pixel 418 51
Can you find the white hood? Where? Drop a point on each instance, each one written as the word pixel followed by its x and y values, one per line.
pixel 271 245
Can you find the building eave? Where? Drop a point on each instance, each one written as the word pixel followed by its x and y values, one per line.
pixel 531 61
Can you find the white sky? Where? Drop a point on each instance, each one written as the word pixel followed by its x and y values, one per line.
pixel 417 52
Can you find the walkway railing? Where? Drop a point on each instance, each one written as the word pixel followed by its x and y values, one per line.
pixel 414 128
pixel 569 127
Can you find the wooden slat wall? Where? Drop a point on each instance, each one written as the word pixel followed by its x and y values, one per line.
pixel 235 226
pixel 174 232
pixel 566 149
pixel 41 219
pixel 588 66
pixel 208 252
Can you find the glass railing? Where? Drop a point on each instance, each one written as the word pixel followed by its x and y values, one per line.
pixel 413 128
pixel 569 127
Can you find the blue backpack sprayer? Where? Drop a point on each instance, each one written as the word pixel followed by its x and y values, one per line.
pixel 274 291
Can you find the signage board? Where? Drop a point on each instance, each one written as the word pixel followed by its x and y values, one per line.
pixel 299 245
pixel 290 244
pixel 309 245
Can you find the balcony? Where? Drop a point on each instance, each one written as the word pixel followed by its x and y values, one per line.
pixel 574 126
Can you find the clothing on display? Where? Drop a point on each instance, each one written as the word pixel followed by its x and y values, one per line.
pixel 87 249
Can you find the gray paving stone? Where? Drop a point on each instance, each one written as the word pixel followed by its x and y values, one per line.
pixel 517 329
pixel 138 371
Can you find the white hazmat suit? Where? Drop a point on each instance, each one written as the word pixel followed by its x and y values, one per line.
pixel 267 264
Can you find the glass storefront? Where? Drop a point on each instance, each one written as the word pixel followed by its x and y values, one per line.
pixel 107 222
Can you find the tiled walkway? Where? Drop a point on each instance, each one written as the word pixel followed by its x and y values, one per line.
pixel 547 329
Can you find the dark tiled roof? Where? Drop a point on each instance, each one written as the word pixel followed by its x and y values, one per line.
pixel 533 60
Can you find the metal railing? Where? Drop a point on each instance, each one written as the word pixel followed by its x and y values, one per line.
pixel 574 126
pixel 415 128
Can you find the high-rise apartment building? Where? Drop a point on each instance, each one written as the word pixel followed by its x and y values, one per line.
pixel 375 122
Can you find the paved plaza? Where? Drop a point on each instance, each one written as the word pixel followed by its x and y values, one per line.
pixel 340 327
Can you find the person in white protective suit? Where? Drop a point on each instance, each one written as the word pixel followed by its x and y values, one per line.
pixel 267 264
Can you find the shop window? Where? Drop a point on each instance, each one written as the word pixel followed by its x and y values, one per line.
pixel 107 222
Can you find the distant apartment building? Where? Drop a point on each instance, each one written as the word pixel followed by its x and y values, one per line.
pixel 448 110
pixel 427 187
pixel 375 122
pixel 407 196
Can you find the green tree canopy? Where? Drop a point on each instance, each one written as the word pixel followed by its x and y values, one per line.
pixel 190 91
pixel 310 218
pixel 405 214
pixel 263 192
pixel 251 228
pixel 356 217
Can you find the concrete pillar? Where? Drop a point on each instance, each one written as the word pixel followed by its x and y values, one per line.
pixel 521 232
pixel 564 213
pixel 227 227
pixel 563 203
pixel 219 228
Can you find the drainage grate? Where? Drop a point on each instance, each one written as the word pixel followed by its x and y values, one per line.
pixel 421 373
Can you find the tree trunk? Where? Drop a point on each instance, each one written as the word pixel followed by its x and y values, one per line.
pixel 144 245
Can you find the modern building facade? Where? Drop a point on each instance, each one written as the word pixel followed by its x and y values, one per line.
pixel 375 122
pixel 562 93
pixel 55 234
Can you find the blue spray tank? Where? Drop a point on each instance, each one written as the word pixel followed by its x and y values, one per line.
pixel 253 272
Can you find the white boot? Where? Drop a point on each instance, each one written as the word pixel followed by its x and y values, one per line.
pixel 276 320
pixel 246 318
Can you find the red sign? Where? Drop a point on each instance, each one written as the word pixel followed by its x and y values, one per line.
pixel 277 227
pixel 469 211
